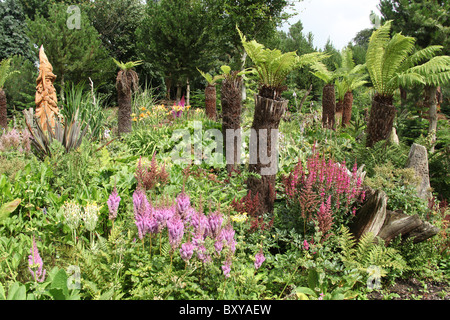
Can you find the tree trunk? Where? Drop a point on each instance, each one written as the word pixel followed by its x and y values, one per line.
pixel 347 108
pixel 188 92
pixel 231 98
pixel 168 82
pixel 178 97
pixel 403 97
pixel 430 94
pixel 328 106
pixel 339 110
pixel 62 84
pixel 3 111
pixel 304 97
pixel 210 102
pixel 124 87
pixel 381 120
pixel 373 217
pixel 264 135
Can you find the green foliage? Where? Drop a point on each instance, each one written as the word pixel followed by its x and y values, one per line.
pixel 75 54
pixel 385 61
pixel 13 38
pixel 400 185
pixel 5 65
pixel 273 66
pixel 367 252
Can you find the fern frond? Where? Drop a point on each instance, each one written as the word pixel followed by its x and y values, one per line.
pixel 5 65
pixel 321 71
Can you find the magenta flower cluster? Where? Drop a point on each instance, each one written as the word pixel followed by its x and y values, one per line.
pixel 194 233
pixel 113 204
pixel 35 263
pixel 323 189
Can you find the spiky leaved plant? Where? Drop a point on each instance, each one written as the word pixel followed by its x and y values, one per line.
pixel 5 66
pixel 390 62
pixel 272 68
pixel 127 81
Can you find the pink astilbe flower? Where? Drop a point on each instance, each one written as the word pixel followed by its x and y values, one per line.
pixel 259 259
pixel 226 268
pixel 113 204
pixel 141 212
pixel 35 263
pixel 325 217
pixel 183 203
pixel 215 223
pixel 305 245
pixel 186 251
pixel 176 230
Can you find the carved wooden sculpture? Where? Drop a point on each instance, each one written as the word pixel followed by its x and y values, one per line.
pixel 46 100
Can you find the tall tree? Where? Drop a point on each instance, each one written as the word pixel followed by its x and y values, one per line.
pixel 116 22
pixel 76 54
pixel 13 37
pixel 176 35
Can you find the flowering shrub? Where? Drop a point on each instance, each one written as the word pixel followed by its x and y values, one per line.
pixel 190 232
pixel 15 140
pixel 325 192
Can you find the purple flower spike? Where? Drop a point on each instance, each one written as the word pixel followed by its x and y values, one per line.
pixel 186 251
pixel 176 231
pixel 113 204
pixel 35 264
pixel 215 223
pixel 259 259
pixel 226 268
pixel 183 203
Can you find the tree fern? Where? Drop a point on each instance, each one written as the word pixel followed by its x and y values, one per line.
pixel 273 66
pixel 387 60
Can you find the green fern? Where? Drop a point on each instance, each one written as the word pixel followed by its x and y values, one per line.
pixel 128 65
pixel 368 251
pixel 273 66
pixel 388 62
pixel 5 65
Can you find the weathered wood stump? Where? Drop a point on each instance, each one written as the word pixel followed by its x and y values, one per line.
pixel 387 225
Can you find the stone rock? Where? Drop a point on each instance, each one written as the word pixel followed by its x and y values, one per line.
pixel 394 137
pixel 418 160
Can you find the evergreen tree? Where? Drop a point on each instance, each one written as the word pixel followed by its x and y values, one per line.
pixel 13 38
pixel 76 54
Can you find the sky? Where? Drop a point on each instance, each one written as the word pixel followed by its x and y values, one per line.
pixel 338 20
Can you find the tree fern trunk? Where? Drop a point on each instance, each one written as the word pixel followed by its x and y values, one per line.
pixel 3 111
pixel 328 106
pixel 267 116
pixel 124 112
pixel 347 108
pixel 382 115
pixel 431 103
pixel 210 102
pixel 231 98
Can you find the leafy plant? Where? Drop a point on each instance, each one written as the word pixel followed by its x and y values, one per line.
pixel 273 66
pixel 70 134
pixel 367 252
